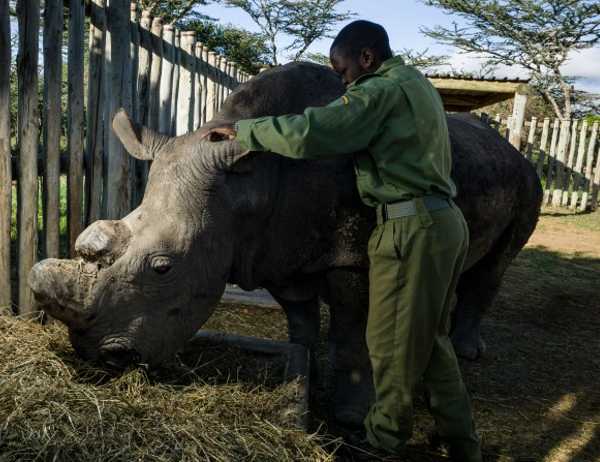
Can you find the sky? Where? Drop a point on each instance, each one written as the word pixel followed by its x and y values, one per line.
pixel 403 19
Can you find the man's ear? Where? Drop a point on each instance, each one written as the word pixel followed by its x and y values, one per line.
pixel 141 142
pixel 367 59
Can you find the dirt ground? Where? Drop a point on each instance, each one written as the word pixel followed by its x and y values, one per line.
pixel 536 392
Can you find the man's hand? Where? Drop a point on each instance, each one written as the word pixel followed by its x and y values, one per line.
pixel 221 133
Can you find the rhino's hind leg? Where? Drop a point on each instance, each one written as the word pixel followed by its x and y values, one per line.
pixel 477 289
pixel 348 298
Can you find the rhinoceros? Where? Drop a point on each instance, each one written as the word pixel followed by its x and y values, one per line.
pixel 141 286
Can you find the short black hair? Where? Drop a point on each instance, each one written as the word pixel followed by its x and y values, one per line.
pixel 362 34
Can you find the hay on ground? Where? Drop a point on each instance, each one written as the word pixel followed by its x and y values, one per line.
pixel 55 407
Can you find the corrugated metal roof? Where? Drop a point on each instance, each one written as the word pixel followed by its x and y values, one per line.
pixel 436 75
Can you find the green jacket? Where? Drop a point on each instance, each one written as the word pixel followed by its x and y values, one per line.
pixel 392 120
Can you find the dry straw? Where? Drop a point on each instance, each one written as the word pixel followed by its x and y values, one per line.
pixel 55 407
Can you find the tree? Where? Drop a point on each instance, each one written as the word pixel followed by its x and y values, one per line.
pixel 422 59
pixel 538 35
pixel 303 21
pixel 247 49
pixel 172 10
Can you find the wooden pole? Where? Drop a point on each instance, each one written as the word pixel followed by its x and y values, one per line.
pixel 568 166
pixel 588 168
pixel 543 144
pixel 211 98
pixel 95 109
pixel 185 100
pixel 134 47
pixel 118 187
pixel 561 157
pixel 28 12
pixel 518 117
pixel 155 72
pixel 75 122
pixel 205 81
pixel 531 138
pixel 5 162
pixel 198 85
pixel 166 79
pixel 224 81
pixel 143 89
pixel 53 29
pixel 578 165
pixel 596 183
pixel 551 161
pixel 175 84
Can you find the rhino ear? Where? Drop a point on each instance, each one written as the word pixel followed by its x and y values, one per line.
pixel 228 155
pixel 141 142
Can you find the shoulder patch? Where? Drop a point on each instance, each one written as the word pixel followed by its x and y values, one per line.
pixel 345 99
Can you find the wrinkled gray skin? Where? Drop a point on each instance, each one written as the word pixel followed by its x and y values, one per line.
pixel 212 214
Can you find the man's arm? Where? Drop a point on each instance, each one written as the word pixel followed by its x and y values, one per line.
pixel 346 125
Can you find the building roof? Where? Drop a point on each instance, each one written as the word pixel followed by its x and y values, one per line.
pixel 466 93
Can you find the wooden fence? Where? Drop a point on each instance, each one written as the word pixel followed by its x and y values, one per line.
pixel 566 154
pixel 163 77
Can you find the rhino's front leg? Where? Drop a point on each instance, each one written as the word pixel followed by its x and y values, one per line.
pixel 349 300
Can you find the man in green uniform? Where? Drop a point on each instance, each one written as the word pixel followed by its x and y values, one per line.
pixel 394 116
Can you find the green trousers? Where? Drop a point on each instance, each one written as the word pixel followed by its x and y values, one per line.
pixel 415 263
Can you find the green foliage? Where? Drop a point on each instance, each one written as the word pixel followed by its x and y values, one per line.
pixel 245 48
pixel 593 118
pixel 302 21
pixel 537 35
pixel 422 59
pixel 172 10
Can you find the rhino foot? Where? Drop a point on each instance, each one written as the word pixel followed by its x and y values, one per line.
pixel 353 396
pixel 468 345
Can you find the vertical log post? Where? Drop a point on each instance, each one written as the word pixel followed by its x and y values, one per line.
pixel 28 12
pixel 95 108
pixel 578 165
pixel 517 119
pixel 531 138
pixel 561 158
pixel 134 47
pixel 588 168
pixel 596 183
pixel 118 187
pixel 155 74
pixel 185 98
pixel 569 164
pixel 205 82
pixel 224 81
pixel 211 98
pixel 5 163
pixel 75 122
pixel 166 79
pixel 198 87
pixel 53 29
pixel 143 88
pixel 543 145
pixel 551 162
pixel 175 84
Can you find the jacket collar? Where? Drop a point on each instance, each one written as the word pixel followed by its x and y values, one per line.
pixel 382 70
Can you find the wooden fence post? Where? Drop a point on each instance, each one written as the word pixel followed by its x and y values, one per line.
pixel 53 29
pixel 543 145
pixel 166 79
pixel 185 98
pixel 205 82
pixel 211 99
pixel 531 138
pixel 596 183
pixel 568 173
pixel 175 80
pixel 565 131
pixel 155 74
pixel 133 56
pixel 5 162
pixel 578 165
pixel 551 161
pixel 224 81
pixel 518 117
pixel 588 168
pixel 75 122
pixel 95 110
pixel 198 87
pixel 118 187
pixel 28 12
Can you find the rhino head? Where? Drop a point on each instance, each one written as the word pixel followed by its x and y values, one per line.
pixel 139 287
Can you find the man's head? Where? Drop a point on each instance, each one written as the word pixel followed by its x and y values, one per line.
pixel 359 49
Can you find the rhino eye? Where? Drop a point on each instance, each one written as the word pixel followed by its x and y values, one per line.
pixel 161 264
